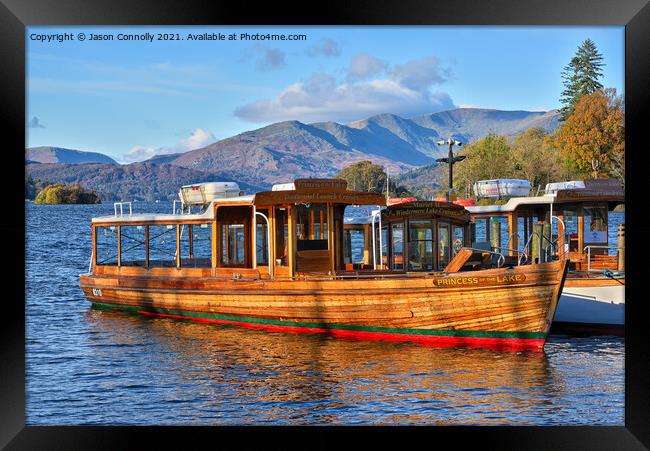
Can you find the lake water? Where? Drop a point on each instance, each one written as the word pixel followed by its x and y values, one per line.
pixel 87 366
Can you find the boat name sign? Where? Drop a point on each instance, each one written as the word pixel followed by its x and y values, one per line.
pixel 501 279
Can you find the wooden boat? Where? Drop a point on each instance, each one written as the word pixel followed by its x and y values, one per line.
pixel 593 298
pixel 276 260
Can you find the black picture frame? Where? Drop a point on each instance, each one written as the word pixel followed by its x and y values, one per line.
pixel 15 15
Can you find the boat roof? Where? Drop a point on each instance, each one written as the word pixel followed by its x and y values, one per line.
pixel 600 190
pixel 299 191
pixel 207 214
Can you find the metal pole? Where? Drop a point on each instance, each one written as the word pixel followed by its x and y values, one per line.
pixel 451 170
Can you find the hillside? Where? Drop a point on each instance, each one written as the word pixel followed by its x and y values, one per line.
pixel 136 181
pixel 271 153
pixel 65 156
pixel 287 150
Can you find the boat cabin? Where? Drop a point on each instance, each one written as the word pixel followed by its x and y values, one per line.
pixel 295 230
pixel 406 237
pixel 577 214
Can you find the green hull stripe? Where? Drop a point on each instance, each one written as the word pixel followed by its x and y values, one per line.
pixel 274 322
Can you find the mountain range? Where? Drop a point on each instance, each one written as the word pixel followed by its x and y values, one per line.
pixel 283 151
pixel 60 155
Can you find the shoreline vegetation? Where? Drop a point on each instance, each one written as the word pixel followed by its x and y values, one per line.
pixel 66 194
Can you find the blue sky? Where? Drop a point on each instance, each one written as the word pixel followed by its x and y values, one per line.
pixel 133 99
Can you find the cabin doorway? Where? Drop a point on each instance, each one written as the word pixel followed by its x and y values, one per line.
pixel 234 226
pixel 281 236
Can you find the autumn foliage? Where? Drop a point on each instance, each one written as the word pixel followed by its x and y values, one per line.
pixel 592 140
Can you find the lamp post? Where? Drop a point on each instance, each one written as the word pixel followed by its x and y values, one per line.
pixel 450 160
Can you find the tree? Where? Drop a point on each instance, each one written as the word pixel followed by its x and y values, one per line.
pixel 593 136
pixel 580 76
pixel 487 158
pixel 535 157
pixel 369 177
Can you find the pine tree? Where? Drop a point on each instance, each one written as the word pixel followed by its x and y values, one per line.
pixel 581 76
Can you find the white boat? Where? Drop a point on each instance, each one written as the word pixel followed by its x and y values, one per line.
pixel 502 188
pixel 593 298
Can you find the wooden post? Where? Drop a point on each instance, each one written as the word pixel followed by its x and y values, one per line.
pixel 560 235
pixel 119 245
pixel 621 245
pixel 526 229
pixel 291 239
pixel 272 238
pixel 367 243
pixel 496 234
pixel 546 230
pixel 536 244
pixel 215 241
pixel 581 232
pixel 487 230
pixel 330 236
pixel 471 233
pixel 146 246
pixel 191 241
pixel 178 246
pixel 513 232
pixel 94 245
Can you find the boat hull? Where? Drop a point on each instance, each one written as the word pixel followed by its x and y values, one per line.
pixel 593 306
pixel 509 308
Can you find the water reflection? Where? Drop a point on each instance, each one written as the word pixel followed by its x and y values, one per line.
pixel 249 376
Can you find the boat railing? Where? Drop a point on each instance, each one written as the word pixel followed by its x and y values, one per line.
pixel 593 246
pixel 500 261
pixel 182 209
pixel 121 205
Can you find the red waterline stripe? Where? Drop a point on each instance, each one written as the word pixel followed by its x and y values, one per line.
pixel 434 340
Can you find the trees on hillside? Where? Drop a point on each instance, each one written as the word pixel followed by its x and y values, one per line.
pixel 592 140
pixel 535 158
pixel 369 177
pixel 488 158
pixel 580 76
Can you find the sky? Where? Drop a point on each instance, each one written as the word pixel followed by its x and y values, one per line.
pixel 132 98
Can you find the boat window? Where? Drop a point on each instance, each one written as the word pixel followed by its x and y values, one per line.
pixel 458 240
pixel 196 245
pixel 132 245
pixel 262 238
pixel 106 245
pixel 233 244
pixel 595 224
pixel 355 239
pixel 443 245
pixel 311 227
pixel 420 245
pixel 397 245
pixel 162 246
pixel 481 229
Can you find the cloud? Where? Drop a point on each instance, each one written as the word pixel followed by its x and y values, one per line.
pixel 404 90
pixel 326 47
pixel 35 123
pixel 420 74
pixel 265 58
pixel 364 65
pixel 197 139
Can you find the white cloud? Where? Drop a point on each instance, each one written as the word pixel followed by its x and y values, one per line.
pixel 364 65
pixel 197 139
pixel 405 90
pixel 419 74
